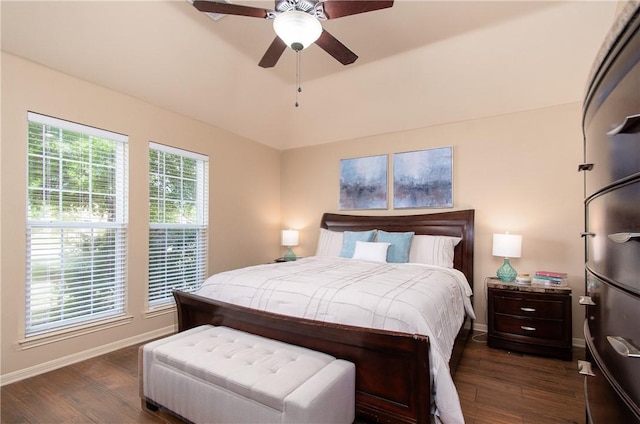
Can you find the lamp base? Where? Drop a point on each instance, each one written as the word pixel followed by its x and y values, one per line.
pixel 506 272
pixel 291 256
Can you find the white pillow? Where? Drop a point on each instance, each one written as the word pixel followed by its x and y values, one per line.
pixel 329 243
pixel 371 251
pixel 433 250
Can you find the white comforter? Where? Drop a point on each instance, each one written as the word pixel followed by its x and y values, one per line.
pixel 411 298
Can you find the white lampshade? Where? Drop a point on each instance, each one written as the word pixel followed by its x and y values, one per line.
pixel 507 245
pixel 289 238
pixel 297 29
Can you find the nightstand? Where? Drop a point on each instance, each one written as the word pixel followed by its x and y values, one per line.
pixel 529 319
pixel 282 259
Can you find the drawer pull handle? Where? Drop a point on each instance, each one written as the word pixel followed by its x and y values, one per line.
pixel 528 309
pixel 623 237
pixel 630 125
pixel 586 300
pixel 584 368
pixel 585 167
pixel 587 233
pixel 623 347
pixel 525 328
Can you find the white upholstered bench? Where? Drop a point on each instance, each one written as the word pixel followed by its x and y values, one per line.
pixel 220 375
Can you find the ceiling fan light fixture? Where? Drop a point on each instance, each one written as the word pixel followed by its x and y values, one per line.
pixel 297 29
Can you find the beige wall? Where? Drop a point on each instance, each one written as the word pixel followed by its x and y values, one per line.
pixel 244 201
pixel 518 171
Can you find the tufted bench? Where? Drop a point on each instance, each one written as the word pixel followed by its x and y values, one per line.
pixel 220 375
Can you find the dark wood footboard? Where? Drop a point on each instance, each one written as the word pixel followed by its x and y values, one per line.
pixel 392 369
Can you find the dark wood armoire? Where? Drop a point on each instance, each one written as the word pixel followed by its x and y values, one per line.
pixel 611 125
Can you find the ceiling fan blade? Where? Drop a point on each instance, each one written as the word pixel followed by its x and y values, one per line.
pixel 229 9
pixel 335 48
pixel 339 8
pixel 273 53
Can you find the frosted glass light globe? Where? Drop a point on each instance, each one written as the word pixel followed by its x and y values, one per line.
pixel 297 29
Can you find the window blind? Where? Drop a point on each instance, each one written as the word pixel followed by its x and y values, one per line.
pixel 76 224
pixel 178 221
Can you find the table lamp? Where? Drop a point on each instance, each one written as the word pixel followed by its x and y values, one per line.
pixel 289 239
pixel 507 246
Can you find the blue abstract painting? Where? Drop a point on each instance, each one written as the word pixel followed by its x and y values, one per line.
pixel 423 179
pixel 363 183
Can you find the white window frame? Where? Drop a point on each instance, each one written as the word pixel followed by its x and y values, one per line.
pixel 41 291
pixel 163 277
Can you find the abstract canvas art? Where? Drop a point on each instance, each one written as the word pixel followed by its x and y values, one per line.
pixel 423 179
pixel 363 183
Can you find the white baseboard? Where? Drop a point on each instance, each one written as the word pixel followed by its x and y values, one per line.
pixel 483 328
pixel 38 369
pixel 578 343
pixel 480 327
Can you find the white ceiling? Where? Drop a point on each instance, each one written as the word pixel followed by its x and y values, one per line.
pixel 420 62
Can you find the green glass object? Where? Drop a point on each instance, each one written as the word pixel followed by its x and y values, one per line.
pixel 291 256
pixel 506 271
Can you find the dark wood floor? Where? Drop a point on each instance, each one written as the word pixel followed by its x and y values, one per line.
pixel 500 387
pixel 495 387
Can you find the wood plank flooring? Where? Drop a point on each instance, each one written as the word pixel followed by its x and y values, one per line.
pixel 500 387
pixel 495 387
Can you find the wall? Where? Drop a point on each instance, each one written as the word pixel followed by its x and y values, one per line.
pixel 244 202
pixel 518 171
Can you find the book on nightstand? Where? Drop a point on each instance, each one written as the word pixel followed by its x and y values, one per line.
pixel 550 278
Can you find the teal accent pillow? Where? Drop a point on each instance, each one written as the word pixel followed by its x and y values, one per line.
pixel 350 238
pixel 398 251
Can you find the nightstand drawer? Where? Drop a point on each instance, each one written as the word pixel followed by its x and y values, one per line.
pixel 529 327
pixel 527 307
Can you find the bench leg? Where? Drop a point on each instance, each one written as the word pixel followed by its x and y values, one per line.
pixel 149 406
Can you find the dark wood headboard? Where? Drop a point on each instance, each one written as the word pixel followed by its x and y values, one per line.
pixel 454 224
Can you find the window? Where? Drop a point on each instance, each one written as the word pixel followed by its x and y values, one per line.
pixel 178 219
pixel 76 224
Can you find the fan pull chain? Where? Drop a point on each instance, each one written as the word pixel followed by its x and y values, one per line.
pixel 298 88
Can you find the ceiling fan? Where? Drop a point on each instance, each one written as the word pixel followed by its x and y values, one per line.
pixel 297 23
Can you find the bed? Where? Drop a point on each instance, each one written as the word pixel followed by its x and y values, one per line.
pixel 395 370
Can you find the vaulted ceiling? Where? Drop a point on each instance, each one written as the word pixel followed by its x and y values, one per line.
pixel 420 62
